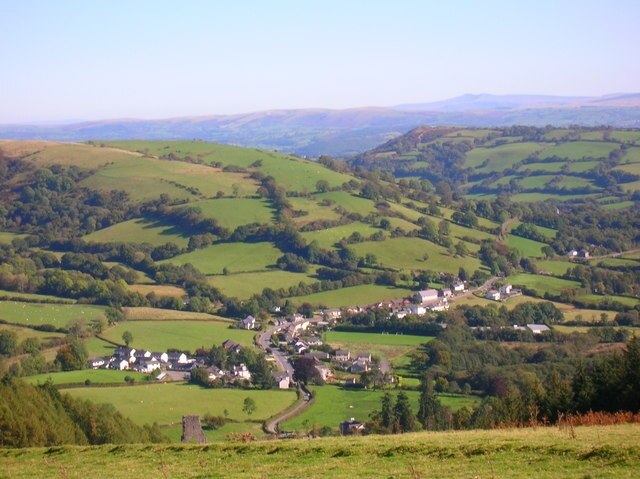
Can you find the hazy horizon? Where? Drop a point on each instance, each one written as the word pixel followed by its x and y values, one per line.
pixel 150 60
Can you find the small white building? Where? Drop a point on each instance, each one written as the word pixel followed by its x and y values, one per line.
pixel 342 355
pixel 248 323
pixel 417 309
pixel 493 295
pixel 282 379
pixel 447 293
pixel 97 363
pixel 573 253
pixel 241 371
pixel 148 365
pixel 121 364
pixel 177 357
pixel 538 328
pixel 458 286
pixel 324 371
pixel 162 357
pixel 505 290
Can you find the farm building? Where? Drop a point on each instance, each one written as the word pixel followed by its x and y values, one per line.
pixel 282 380
pixel 248 323
pixel 538 328
pixel 426 296
pixel 351 427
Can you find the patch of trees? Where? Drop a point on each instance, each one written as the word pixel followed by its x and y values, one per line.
pixel 33 416
pixel 379 321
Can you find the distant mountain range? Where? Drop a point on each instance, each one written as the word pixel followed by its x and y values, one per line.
pixel 314 132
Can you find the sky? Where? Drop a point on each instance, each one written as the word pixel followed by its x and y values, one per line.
pixel 99 59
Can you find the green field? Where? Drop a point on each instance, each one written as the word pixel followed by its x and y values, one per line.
pixel 395 348
pixel 44 298
pixel 353 296
pixel 313 210
pixel 147 178
pixel 327 238
pixel 527 247
pixel 7 237
pixel 183 335
pixel 166 403
pixel 245 285
pixel 376 338
pixel 576 150
pixel 334 404
pixel 351 203
pixel 24 333
pixel 295 173
pixel 142 313
pixel 606 452
pixel 140 231
pixel 542 284
pixel 96 376
pixel 619 205
pixel 234 212
pixel 34 314
pixel 235 257
pixel 596 299
pixel 77 154
pixel 615 262
pixel 501 157
pixel 406 254
pixel 557 268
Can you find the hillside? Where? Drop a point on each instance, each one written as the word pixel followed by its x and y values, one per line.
pixel 342 133
pixel 546 453
pixel 166 245
pixel 530 164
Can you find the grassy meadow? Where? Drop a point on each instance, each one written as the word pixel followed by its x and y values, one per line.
pixel 140 230
pixel 353 296
pixel 58 315
pixel 245 285
pixel 234 212
pixel 183 335
pixel 96 376
pixel 608 452
pixel 235 257
pixel 542 284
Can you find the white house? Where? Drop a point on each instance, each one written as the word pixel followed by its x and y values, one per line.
pixel 241 371
pixel 148 365
pixel 215 373
pixel 96 363
pixel 142 354
pixel 364 357
pixel 417 309
pixel 442 306
pixel 359 366
pixel 458 286
pixel 248 323
pixel 447 293
pixel 538 328
pixel 572 254
pixel 332 313
pixel 121 365
pixel 162 357
pixel 282 379
pixel 426 296
pixel 493 295
pixel 177 357
pixel 505 290
pixel 401 314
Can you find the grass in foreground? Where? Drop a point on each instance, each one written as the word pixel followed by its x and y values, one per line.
pixel 544 453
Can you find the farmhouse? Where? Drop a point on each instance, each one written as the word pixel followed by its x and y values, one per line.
pixel 241 371
pixel 248 323
pixel 505 290
pixel 121 365
pixel 324 371
pixel 359 366
pixel 147 365
pixel 458 286
pixel 573 253
pixel 177 357
pixel 493 295
pixel 332 314
pixel 162 357
pixel 351 427
pixel 364 357
pixel 282 379
pixel 447 293
pixel 417 309
pixel 96 363
pixel 229 345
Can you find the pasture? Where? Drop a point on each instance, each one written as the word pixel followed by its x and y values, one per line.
pixel 83 156
pixel 525 246
pixel 142 313
pixel 182 335
pixel 140 230
pixel 576 150
pixel 44 298
pixel 23 333
pixel 159 290
pixel 327 238
pixel 352 296
pixel 234 257
pixel 245 285
pixel 8 237
pixel 96 376
pixel 597 299
pixel 312 211
pixel 58 315
pixel 166 403
pixel 406 254
pixel 351 203
pixel 392 347
pixel 234 212
pixel 542 284
pixel 542 452
pixel 334 404
pixel 556 268
pixel 501 157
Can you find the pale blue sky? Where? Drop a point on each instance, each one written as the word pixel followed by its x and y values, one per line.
pixel 154 59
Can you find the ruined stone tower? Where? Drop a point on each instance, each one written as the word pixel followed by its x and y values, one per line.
pixel 192 430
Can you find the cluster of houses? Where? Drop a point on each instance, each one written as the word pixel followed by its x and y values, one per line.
pixel 534 328
pixel 503 293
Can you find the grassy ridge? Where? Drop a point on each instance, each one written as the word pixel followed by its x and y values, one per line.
pixel 544 453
